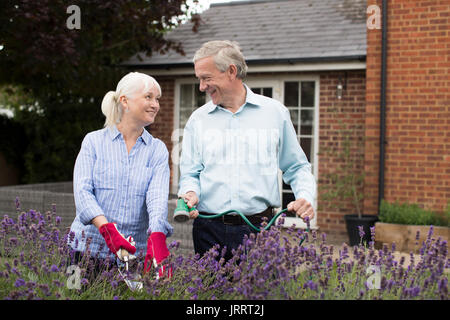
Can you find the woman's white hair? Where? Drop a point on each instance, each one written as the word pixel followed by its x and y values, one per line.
pixel 225 53
pixel 130 85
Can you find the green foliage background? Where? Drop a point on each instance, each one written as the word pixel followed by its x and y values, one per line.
pixel 55 78
pixel 412 214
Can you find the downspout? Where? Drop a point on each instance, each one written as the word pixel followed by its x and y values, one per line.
pixel 382 103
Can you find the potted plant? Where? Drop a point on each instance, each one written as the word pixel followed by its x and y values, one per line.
pixel 408 225
pixel 345 183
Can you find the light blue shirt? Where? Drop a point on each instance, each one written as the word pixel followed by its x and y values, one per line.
pixel 231 160
pixel 129 189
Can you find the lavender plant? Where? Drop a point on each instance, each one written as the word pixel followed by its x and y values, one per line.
pixel 268 265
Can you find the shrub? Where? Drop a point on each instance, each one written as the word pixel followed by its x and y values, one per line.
pixel 411 214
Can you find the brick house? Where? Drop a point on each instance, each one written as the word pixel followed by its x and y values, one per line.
pixel 302 52
pixel 417 147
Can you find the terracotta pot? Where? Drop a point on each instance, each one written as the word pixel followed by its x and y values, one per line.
pixel 404 235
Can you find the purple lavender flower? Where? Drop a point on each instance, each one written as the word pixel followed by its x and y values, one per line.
pixel 372 233
pixel 361 231
pixel 17 204
pixel 45 289
pixel 443 287
pixel 114 284
pixel 54 268
pixel 311 285
pixel 19 282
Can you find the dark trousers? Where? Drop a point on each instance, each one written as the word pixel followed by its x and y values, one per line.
pixel 208 232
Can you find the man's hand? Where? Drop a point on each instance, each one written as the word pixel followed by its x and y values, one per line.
pixel 191 200
pixel 302 208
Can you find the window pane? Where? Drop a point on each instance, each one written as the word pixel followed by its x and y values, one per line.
pixel 306 144
pixel 294 118
pixel 184 116
pixel 267 92
pixel 291 94
pixel 286 187
pixel 200 97
pixel 308 94
pixel 288 197
pixel 190 99
pixel 256 90
pixel 307 122
pixel 186 96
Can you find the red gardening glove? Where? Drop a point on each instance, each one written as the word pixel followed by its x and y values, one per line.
pixel 115 240
pixel 157 252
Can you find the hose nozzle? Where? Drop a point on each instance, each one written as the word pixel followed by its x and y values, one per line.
pixel 181 212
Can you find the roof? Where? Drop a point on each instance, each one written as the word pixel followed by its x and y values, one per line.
pixel 275 31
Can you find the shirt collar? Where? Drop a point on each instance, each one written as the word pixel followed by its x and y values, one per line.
pixel 114 133
pixel 146 136
pixel 250 99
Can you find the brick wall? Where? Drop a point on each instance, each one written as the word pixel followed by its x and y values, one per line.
pixel 339 119
pixel 163 126
pixel 417 167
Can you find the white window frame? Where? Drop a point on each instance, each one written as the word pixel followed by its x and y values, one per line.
pixel 177 132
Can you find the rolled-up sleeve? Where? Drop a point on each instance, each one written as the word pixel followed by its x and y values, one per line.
pixel 83 187
pixel 158 193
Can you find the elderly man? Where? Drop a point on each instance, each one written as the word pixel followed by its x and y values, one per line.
pixel 232 149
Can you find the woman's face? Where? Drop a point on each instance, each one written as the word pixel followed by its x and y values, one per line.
pixel 143 107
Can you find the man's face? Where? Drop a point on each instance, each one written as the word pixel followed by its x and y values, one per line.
pixel 215 83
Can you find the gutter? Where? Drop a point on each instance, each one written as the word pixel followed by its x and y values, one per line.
pixel 382 104
pixel 251 62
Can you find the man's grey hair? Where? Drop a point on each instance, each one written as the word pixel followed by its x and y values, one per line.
pixel 225 53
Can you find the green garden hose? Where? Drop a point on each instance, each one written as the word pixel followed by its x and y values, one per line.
pixel 181 214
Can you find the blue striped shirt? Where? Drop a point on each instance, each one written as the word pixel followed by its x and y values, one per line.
pixel 129 189
pixel 231 160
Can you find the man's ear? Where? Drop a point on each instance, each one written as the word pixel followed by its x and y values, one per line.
pixel 232 72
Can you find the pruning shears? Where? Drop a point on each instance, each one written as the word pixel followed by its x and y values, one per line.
pixel 132 280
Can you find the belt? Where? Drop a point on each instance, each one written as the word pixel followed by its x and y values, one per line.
pixel 235 220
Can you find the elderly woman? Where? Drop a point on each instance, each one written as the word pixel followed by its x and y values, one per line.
pixel 121 179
